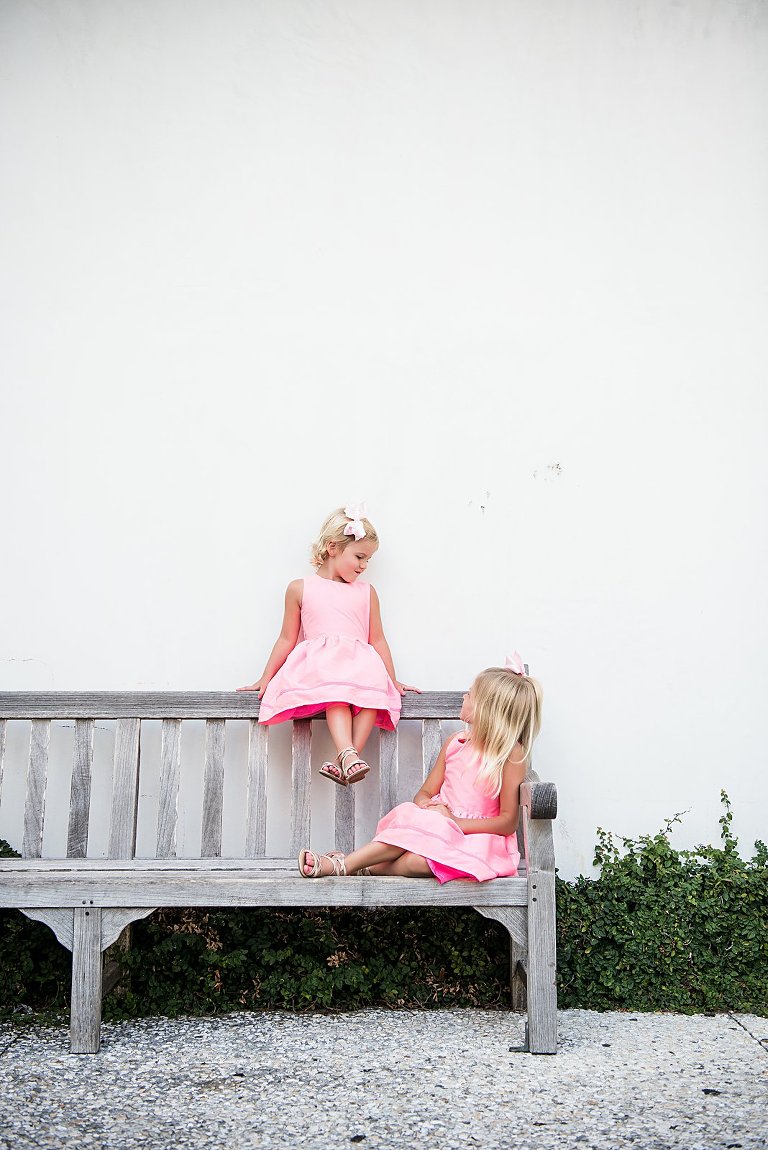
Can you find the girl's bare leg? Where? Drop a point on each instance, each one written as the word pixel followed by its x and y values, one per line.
pixel 365 856
pixel 382 860
pixel 339 720
pixel 385 859
pixel 362 725
pixel 407 865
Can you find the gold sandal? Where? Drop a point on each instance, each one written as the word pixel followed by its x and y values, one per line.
pixel 356 770
pixel 333 771
pixel 336 860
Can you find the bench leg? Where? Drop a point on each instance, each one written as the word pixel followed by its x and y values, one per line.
pixel 85 1011
pixel 514 919
pixel 542 964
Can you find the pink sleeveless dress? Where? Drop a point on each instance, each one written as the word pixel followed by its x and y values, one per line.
pixel 449 852
pixel 334 663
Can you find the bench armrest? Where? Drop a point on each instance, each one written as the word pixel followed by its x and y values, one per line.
pixel 539 798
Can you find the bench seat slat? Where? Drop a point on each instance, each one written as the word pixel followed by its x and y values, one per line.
pixel 153 888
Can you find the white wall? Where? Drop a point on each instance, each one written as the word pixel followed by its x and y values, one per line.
pixel 498 268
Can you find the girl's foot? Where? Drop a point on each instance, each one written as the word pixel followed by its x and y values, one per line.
pixel 334 772
pixel 311 864
pixel 353 767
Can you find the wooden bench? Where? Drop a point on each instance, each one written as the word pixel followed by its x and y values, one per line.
pixel 88 902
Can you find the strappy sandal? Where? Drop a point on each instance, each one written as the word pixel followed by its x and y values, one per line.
pixel 333 771
pixel 336 859
pixel 356 770
pixel 363 872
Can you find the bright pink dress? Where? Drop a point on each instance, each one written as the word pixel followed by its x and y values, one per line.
pixel 449 852
pixel 334 663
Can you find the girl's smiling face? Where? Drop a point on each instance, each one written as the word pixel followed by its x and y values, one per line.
pixel 467 713
pixel 346 564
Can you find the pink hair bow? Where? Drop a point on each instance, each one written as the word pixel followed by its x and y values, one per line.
pixel 356 512
pixel 515 663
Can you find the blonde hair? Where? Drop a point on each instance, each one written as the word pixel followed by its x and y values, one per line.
pixel 507 711
pixel 332 531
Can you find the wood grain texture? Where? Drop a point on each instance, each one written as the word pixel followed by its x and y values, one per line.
pixel 515 919
pixel 85 1010
pixel 300 782
pixel 388 772
pixel 542 957
pixel 61 922
pixel 431 742
pixel 2 756
pixel 125 790
pixel 163 887
pixel 70 894
pixel 80 790
pixel 256 800
pixel 170 775
pixel 37 771
pixel 182 705
pixel 114 922
pixel 344 817
pixel 213 789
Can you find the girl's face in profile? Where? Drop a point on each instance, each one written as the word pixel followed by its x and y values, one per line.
pixel 348 562
pixel 467 713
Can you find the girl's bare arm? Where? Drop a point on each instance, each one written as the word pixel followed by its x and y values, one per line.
pixel 505 822
pixel 286 640
pixel 433 781
pixel 379 643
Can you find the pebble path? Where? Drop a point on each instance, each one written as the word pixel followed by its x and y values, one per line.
pixel 390 1081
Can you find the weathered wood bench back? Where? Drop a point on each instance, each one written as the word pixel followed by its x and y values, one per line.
pixel 88 901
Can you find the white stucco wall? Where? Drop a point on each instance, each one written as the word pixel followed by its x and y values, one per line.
pixel 499 268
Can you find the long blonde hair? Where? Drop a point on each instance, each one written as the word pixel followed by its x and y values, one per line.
pixel 332 531
pixel 507 711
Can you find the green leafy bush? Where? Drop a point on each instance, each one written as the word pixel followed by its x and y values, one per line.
pixel 660 929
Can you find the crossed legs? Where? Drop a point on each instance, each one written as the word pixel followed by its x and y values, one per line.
pixel 380 858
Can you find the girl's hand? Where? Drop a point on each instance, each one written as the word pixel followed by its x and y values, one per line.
pixel 259 687
pixel 441 809
pixel 403 687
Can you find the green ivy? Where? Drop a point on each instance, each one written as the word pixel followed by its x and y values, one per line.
pixel 660 929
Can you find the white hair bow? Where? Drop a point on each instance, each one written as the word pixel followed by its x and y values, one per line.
pixel 515 663
pixel 357 513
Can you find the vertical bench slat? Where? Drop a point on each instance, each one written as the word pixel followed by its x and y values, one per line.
pixel 256 801
pixel 344 827
pixel 170 767
pixel 2 755
pixel 213 789
pixel 388 771
pixel 431 742
pixel 125 790
pixel 34 808
pixel 80 790
pixel 301 776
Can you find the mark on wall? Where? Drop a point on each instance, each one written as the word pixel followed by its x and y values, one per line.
pixel 482 502
pixel 552 471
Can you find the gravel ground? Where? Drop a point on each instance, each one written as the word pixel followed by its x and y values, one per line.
pixel 384 1080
